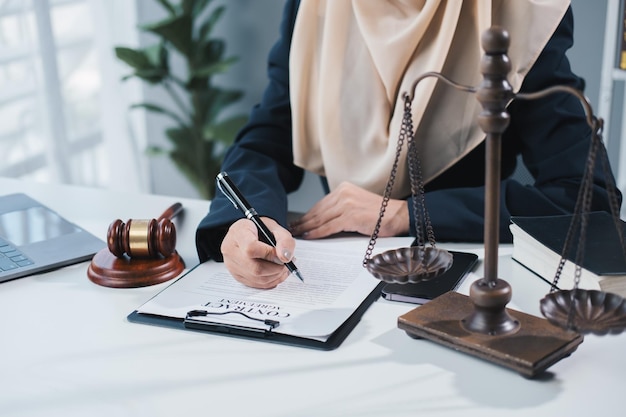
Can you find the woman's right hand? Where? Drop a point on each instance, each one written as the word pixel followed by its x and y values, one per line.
pixel 255 263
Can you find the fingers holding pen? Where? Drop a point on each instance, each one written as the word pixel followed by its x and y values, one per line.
pixel 253 262
pixel 285 243
pixel 261 264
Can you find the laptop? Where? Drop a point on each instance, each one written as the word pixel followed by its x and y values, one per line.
pixel 35 239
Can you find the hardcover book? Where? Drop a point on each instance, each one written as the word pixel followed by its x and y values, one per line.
pixel 538 243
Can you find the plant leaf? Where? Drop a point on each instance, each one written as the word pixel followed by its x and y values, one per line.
pixel 197 177
pixel 201 167
pixel 168 6
pixel 215 68
pixel 199 6
pixel 152 76
pixel 209 52
pixel 154 150
pixel 158 109
pixel 220 99
pixel 226 130
pixel 136 58
pixel 209 102
pixel 195 7
pixel 157 56
pixel 182 137
pixel 149 76
pixel 176 30
pixel 206 27
pixel 186 6
pixel 150 63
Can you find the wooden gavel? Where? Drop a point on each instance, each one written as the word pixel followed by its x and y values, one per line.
pixel 144 238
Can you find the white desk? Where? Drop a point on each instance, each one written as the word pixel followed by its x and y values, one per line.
pixel 67 350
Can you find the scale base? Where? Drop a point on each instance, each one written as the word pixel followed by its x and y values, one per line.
pixel 531 349
pixel 110 271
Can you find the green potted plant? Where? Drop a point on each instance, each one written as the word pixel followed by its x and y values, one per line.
pixel 200 134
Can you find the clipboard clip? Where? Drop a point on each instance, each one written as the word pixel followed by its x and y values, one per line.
pixel 192 322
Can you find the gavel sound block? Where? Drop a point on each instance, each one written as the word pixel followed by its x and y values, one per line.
pixel 139 253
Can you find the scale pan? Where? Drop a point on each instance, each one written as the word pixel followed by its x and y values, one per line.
pixel 591 311
pixel 409 265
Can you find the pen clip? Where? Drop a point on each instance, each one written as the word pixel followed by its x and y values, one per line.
pixel 228 195
pixel 230 190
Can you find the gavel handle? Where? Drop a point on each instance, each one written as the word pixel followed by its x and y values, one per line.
pixel 171 211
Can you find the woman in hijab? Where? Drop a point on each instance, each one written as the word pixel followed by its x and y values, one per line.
pixel 334 105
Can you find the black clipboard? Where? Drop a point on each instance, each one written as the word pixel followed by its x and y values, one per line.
pixel 333 342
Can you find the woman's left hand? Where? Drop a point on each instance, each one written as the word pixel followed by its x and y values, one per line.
pixel 350 208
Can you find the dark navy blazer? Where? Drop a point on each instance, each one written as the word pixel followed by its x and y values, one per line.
pixel 551 134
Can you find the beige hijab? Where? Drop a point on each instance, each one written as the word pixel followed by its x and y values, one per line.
pixel 351 61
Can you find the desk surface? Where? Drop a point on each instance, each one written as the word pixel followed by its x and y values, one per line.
pixel 66 349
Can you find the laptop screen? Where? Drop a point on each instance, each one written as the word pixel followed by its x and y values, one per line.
pixel 33 224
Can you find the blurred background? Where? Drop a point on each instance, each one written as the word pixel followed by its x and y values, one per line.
pixel 65 113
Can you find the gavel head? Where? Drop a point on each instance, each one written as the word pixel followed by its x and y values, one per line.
pixel 142 238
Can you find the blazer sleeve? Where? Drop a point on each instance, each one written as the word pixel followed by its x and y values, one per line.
pixel 260 161
pixel 553 138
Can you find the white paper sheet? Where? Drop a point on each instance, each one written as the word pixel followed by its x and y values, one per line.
pixel 335 284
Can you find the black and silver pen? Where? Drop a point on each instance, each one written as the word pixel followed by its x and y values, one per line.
pixel 230 190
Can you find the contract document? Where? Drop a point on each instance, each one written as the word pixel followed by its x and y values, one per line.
pixel 335 286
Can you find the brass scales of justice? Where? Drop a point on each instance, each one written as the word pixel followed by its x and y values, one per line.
pixel 480 324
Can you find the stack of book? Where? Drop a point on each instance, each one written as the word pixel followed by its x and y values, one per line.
pixel 538 243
